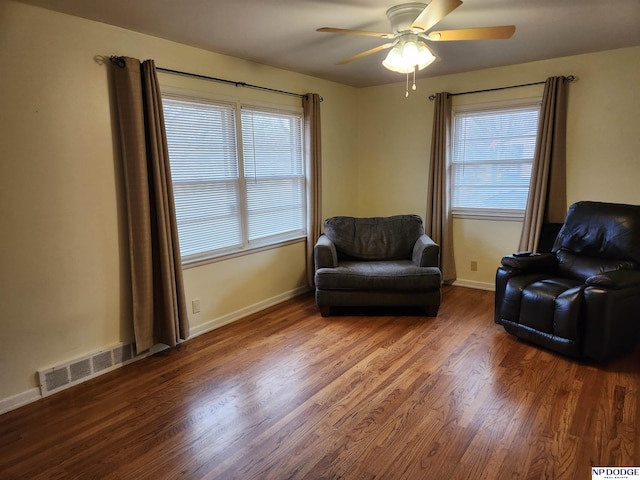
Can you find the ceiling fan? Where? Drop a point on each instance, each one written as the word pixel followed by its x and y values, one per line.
pixel 411 24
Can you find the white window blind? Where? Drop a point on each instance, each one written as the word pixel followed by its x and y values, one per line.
pixel 204 169
pixel 274 173
pixel 491 162
pixel 234 193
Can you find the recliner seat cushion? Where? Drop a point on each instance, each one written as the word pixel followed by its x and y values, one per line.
pixel 375 238
pixel 549 305
pixel 396 275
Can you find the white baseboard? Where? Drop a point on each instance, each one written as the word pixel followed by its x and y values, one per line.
pixel 19 400
pixel 473 284
pixel 244 312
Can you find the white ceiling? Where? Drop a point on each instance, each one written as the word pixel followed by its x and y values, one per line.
pixel 281 33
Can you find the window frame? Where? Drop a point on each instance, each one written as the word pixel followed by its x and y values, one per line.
pixel 485 213
pixel 246 246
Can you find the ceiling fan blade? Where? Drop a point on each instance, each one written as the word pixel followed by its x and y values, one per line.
pixel 355 32
pixel 482 33
pixel 433 13
pixel 364 54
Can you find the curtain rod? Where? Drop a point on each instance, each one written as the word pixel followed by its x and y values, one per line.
pixel 230 82
pixel 570 78
pixel 115 61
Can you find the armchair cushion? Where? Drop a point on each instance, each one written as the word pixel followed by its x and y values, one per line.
pixel 378 238
pixel 395 275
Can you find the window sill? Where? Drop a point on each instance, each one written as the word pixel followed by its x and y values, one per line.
pixel 198 262
pixel 499 215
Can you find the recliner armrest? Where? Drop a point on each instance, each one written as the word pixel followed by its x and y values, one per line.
pixel 324 253
pixel 615 279
pixel 535 263
pixel 426 252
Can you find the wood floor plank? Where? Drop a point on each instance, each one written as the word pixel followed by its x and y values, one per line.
pixel 367 394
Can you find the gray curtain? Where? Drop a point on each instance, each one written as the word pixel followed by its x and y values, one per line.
pixel 159 309
pixel 313 155
pixel 438 225
pixel 547 200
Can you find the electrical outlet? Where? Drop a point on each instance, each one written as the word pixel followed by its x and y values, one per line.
pixel 195 305
pixel 474 266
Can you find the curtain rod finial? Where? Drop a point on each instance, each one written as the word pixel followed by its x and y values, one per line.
pixel 117 61
pixel 432 97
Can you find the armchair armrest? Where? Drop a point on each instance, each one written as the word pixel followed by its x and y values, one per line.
pixel 534 263
pixel 426 252
pixel 324 253
pixel 615 279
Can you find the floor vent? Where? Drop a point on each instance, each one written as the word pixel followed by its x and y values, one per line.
pixel 79 370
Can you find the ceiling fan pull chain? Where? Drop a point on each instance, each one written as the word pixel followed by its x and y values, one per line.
pixel 406 93
pixel 413 87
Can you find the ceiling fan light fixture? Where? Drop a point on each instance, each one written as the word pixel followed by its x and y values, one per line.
pixel 410 53
pixel 425 57
pixel 394 60
pixel 407 55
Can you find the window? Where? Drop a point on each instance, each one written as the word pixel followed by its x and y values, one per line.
pixel 238 175
pixel 492 157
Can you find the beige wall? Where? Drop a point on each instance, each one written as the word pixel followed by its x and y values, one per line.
pixel 603 159
pixel 64 288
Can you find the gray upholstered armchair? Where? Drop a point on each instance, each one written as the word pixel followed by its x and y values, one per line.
pixel 380 261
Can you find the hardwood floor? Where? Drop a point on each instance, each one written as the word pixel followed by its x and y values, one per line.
pixel 287 394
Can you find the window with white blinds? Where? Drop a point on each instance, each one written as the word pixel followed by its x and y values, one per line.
pixel 238 175
pixel 273 173
pixel 492 156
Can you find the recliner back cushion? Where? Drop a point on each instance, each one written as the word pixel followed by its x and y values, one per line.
pixel 605 230
pixel 375 238
pixel 581 267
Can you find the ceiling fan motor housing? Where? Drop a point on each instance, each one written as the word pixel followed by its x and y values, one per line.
pixel 402 16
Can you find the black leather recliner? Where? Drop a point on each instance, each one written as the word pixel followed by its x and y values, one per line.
pixel 583 298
